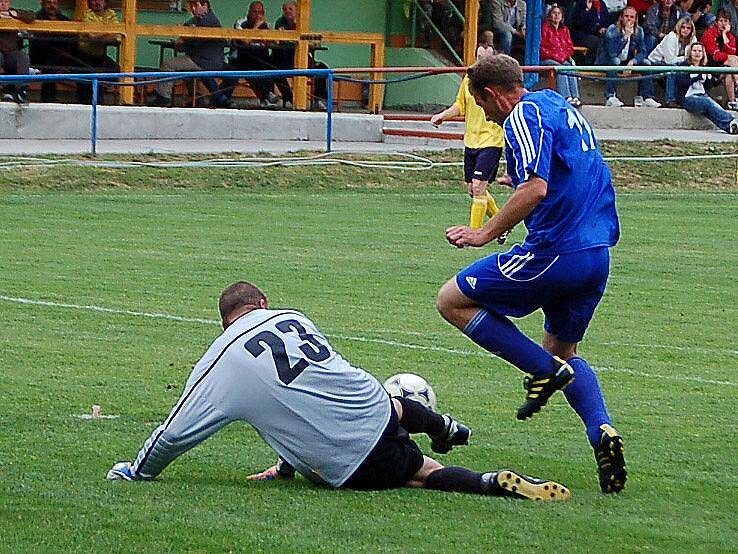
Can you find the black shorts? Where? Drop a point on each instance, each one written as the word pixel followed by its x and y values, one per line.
pixel 481 163
pixel 392 462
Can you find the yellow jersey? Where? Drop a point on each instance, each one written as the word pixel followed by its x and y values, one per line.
pixel 89 47
pixel 479 132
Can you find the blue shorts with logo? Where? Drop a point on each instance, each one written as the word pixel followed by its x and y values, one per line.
pixel 481 163
pixel 567 287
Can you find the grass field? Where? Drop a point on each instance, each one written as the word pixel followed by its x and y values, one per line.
pixel 362 253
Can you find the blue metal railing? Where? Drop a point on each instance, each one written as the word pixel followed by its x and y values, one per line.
pixel 147 78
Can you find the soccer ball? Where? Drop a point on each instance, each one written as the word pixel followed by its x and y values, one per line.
pixel 412 387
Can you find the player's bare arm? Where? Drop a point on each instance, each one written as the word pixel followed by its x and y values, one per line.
pixel 527 196
pixel 448 113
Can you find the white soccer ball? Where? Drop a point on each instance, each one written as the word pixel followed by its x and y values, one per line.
pixel 412 387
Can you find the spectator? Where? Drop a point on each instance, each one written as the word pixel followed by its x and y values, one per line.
pixel 13 60
pixel 731 8
pixel 508 23
pixel 252 55
pixel 589 23
pixel 614 8
pixel 720 47
pixel 93 47
pixel 199 55
pixel 672 50
pixel 700 11
pixel 691 90
pixel 641 7
pixel 660 21
pixel 55 50
pixel 623 45
pixel 283 57
pixel 557 49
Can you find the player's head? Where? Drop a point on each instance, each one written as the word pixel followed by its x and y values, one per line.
pixel 496 82
pixel 238 299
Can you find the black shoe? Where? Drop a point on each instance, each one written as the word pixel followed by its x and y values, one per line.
pixel 671 104
pixel 540 389
pixel 610 460
pixel 503 237
pixel 517 485
pixel 20 97
pixel 454 434
pixel 222 102
pixel 159 101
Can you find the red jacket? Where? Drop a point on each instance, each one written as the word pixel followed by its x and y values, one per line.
pixel 556 44
pixel 715 51
pixel 641 6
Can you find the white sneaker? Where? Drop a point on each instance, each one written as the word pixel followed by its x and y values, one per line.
pixel 288 105
pixel 733 105
pixel 613 102
pixel 733 128
pixel 651 103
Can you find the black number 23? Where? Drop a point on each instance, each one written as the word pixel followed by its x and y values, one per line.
pixel 312 348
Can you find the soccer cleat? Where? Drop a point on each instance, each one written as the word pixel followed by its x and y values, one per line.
pixel 610 460
pixel 517 485
pixel 503 237
pixel 122 471
pixel 540 389
pixel 454 434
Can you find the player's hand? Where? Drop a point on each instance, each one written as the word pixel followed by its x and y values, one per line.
pixel 436 120
pixel 463 235
pixel 505 180
pixel 269 474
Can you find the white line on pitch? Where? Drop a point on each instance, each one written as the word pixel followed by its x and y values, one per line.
pixel 157 315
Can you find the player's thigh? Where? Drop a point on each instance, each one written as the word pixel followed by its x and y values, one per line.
pixel 512 283
pixel 392 463
pixel 580 278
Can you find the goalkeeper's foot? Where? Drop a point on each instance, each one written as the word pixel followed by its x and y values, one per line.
pixel 610 460
pixel 454 434
pixel 540 389
pixel 517 485
pixel 122 471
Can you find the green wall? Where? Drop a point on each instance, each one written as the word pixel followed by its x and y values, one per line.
pixel 426 93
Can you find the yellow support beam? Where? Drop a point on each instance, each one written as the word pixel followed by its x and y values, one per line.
pixel 471 15
pixel 128 49
pixel 376 96
pixel 304 19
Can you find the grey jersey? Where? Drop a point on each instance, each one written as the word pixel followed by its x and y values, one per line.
pixel 275 370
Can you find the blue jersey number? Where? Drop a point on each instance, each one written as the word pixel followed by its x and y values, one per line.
pixel 575 120
pixel 312 348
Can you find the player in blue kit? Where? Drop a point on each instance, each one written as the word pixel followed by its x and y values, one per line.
pixel 564 194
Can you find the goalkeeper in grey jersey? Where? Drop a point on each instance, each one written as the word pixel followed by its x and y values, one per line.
pixel 328 420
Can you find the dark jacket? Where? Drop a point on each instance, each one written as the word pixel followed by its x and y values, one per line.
pixel 685 80
pixel 585 23
pixel 9 40
pixel 206 53
pixel 655 16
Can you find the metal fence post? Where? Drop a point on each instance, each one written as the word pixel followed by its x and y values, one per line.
pixel 93 130
pixel 329 110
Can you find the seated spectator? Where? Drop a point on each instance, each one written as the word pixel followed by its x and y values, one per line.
pixel 52 50
pixel 623 45
pixel 641 7
pixel 199 55
pixel 93 47
pixel 731 8
pixel 283 57
pixel 252 55
pixel 672 50
pixel 700 11
pixel 720 47
pixel 692 91
pixel 589 23
pixel 508 23
pixel 614 8
pixel 13 60
pixel 660 21
pixel 557 49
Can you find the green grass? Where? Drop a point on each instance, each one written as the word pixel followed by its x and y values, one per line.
pixel 362 253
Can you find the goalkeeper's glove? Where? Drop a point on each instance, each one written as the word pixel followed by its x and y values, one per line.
pixel 282 470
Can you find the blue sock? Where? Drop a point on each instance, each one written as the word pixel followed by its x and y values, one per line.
pixel 499 335
pixel 585 396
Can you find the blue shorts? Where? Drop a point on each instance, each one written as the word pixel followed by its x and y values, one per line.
pixel 567 287
pixel 481 163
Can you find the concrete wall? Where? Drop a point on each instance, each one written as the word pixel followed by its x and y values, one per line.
pixel 50 122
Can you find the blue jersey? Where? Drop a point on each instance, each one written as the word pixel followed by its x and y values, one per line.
pixel 546 137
